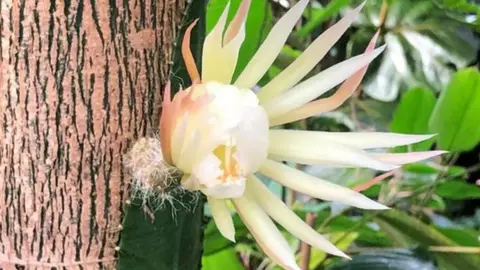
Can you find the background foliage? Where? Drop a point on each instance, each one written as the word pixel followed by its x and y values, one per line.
pixel 427 81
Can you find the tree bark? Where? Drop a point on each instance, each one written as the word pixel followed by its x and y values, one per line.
pixel 80 80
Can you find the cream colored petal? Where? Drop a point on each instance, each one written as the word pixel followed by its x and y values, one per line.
pixel 363 140
pixel 221 216
pixel 315 187
pixel 226 190
pixel 252 139
pixel 330 103
pixel 271 47
pixel 306 151
pixel 318 84
pixel 218 62
pixel 237 25
pixel 265 232
pixel 309 59
pixel 405 158
pixel 287 218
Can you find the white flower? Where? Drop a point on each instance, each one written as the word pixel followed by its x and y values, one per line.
pixel 217 131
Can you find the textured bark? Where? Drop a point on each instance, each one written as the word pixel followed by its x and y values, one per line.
pixel 80 80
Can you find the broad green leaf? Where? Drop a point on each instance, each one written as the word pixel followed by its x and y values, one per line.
pixel 427 235
pixel 412 116
pixel 458 190
pixel 259 23
pixel 456 115
pixel 225 259
pixel 399 259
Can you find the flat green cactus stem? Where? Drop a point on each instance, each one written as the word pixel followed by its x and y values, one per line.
pixel 170 237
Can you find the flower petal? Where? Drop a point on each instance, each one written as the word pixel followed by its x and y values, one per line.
pixel 405 158
pixel 329 103
pixel 271 47
pixel 265 232
pixel 315 187
pixel 238 23
pixel 221 216
pixel 318 84
pixel 362 140
pixel 285 217
pixel 307 151
pixel 309 58
pixel 252 139
pixel 218 62
pixel 188 56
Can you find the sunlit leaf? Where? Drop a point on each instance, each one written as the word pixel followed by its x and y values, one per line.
pixel 412 116
pixel 225 259
pixel 456 114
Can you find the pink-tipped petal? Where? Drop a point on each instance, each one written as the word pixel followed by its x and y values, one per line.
pixel 318 84
pixel 316 187
pixel 212 46
pixel 373 181
pixel 405 158
pixel 237 23
pixel 307 151
pixel 188 56
pixel 309 59
pixel 330 103
pixel 362 140
pixel 271 47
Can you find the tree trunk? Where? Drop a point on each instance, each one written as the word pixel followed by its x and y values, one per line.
pixel 80 80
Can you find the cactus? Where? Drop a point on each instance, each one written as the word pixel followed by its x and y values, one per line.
pixel 167 236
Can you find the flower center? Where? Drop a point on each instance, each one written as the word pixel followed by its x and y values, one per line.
pixel 228 164
pixel 219 141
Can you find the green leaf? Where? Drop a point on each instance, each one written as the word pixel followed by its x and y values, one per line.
pixel 412 116
pixel 428 236
pixel 455 117
pixel 225 259
pixel 462 236
pixel 458 190
pixel 400 259
pixel 258 24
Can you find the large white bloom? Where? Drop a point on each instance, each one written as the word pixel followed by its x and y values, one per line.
pixel 217 131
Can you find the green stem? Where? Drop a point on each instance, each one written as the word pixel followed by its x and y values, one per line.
pixel 166 231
